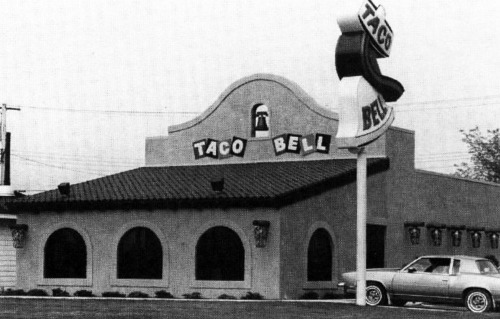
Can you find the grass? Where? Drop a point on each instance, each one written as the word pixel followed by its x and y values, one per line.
pixel 102 308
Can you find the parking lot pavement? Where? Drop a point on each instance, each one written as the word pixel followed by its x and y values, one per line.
pixel 420 305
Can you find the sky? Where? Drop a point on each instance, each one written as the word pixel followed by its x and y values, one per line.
pixel 95 78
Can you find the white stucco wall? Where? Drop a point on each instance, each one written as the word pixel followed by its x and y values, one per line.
pixel 7 257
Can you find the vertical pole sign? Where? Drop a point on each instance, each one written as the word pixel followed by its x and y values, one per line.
pixel 3 142
pixel 364 115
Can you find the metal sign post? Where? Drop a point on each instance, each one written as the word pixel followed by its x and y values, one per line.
pixel 3 142
pixel 361 228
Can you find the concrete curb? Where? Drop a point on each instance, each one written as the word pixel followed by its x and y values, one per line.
pixel 340 301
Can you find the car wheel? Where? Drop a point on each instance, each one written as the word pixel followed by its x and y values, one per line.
pixel 478 300
pixel 375 295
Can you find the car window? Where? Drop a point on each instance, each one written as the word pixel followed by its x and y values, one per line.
pixel 431 265
pixel 486 267
pixel 439 265
pixel 456 266
pixel 420 265
pixel 469 266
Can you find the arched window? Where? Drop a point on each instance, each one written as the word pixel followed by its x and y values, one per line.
pixel 220 255
pixel 65 255
pixel 140 255
pixel 260 121
pixel 319 256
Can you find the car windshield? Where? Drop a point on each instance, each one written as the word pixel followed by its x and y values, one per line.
pixel 486 267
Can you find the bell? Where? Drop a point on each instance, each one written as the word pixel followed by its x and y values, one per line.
pixel 261 122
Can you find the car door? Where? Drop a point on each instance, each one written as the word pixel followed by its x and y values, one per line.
pixel 425 279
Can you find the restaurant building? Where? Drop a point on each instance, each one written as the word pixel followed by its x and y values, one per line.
pixel 252 195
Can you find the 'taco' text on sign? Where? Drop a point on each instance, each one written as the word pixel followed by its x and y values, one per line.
pixel 373 21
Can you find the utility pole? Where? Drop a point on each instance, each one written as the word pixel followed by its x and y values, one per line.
pixel 3 140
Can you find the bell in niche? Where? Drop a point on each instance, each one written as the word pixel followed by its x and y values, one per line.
pixel 261 129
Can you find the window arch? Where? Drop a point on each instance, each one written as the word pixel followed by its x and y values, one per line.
pixel 140 255
pixel 260 121
pixel 320 256
pixel 220 255
pixel 65 255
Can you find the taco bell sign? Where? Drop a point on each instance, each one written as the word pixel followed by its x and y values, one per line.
pixel 363 113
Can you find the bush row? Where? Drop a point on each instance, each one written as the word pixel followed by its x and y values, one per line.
pixel 312 295
pixel 58 292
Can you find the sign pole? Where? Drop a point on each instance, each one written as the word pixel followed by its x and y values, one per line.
pixel 361 228
pixel 363 115
pixel 3 144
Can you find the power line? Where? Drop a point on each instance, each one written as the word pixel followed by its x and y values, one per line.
pixel 132 112
pixel 78 160
pixel 398 106
pixel 463 99
pixel 98 171
pixel 56 166
pixel 445 107
pixel 75 155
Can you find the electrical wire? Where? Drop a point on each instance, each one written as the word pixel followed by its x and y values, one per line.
pixel 76 160
pixel 445 107
pixel 56 166
pixel 463 99
pixel 129 112
pixel 74 155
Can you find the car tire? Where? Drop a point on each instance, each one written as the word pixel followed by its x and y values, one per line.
pixel 375 295
pixel 478 300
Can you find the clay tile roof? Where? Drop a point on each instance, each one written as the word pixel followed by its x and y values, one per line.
pixel 262 184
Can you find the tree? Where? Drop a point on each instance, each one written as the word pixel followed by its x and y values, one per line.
pixel 485 156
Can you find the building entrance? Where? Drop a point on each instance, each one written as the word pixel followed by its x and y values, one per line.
pixel 375 246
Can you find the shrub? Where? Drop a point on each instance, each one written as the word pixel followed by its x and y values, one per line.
pixel 252 296
pixel 333 295
pixel 113 294
pixel 83 293
pixel 163 294
pixel 37 292
pixel 193 295
pixel 14 292
pixel 349 295
pixel 58 292
pixel 225 296
pixel 310 295
pixel 138 294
